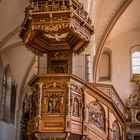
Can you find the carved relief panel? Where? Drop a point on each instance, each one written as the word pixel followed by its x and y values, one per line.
pixel 54 98
pixel 76 105
pixel 54 102
pixel 97 115
pixel 59 62
pixel 76 101
pixel 116 131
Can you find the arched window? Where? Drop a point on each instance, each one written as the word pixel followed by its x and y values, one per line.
pixel 6 99
pixel 135 62
pixel 105 66
pixel 1 85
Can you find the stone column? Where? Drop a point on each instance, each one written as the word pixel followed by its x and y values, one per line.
pixel 18 120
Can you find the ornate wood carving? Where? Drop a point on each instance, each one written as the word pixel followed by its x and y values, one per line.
pixel 97 115
pixel 54 102
pixel 116 131
pixel 64 108
pixel 60 62
pixel 56 25
pixel 76 103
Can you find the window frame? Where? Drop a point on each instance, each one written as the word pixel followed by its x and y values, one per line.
pixel 133 76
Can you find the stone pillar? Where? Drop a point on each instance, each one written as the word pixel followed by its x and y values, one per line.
pixel 18 120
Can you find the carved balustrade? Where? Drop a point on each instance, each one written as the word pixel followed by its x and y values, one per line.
pixel 58 6
pixel 111 92
pixel 65 107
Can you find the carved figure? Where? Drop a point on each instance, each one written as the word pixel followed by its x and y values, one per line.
pixel 55 103
pixel 59 69
pixel 76 107
pixel 50 108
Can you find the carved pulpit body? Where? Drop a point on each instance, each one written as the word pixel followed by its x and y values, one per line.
pixel 63 107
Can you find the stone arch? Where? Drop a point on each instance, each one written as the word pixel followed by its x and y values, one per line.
pixel 100 45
